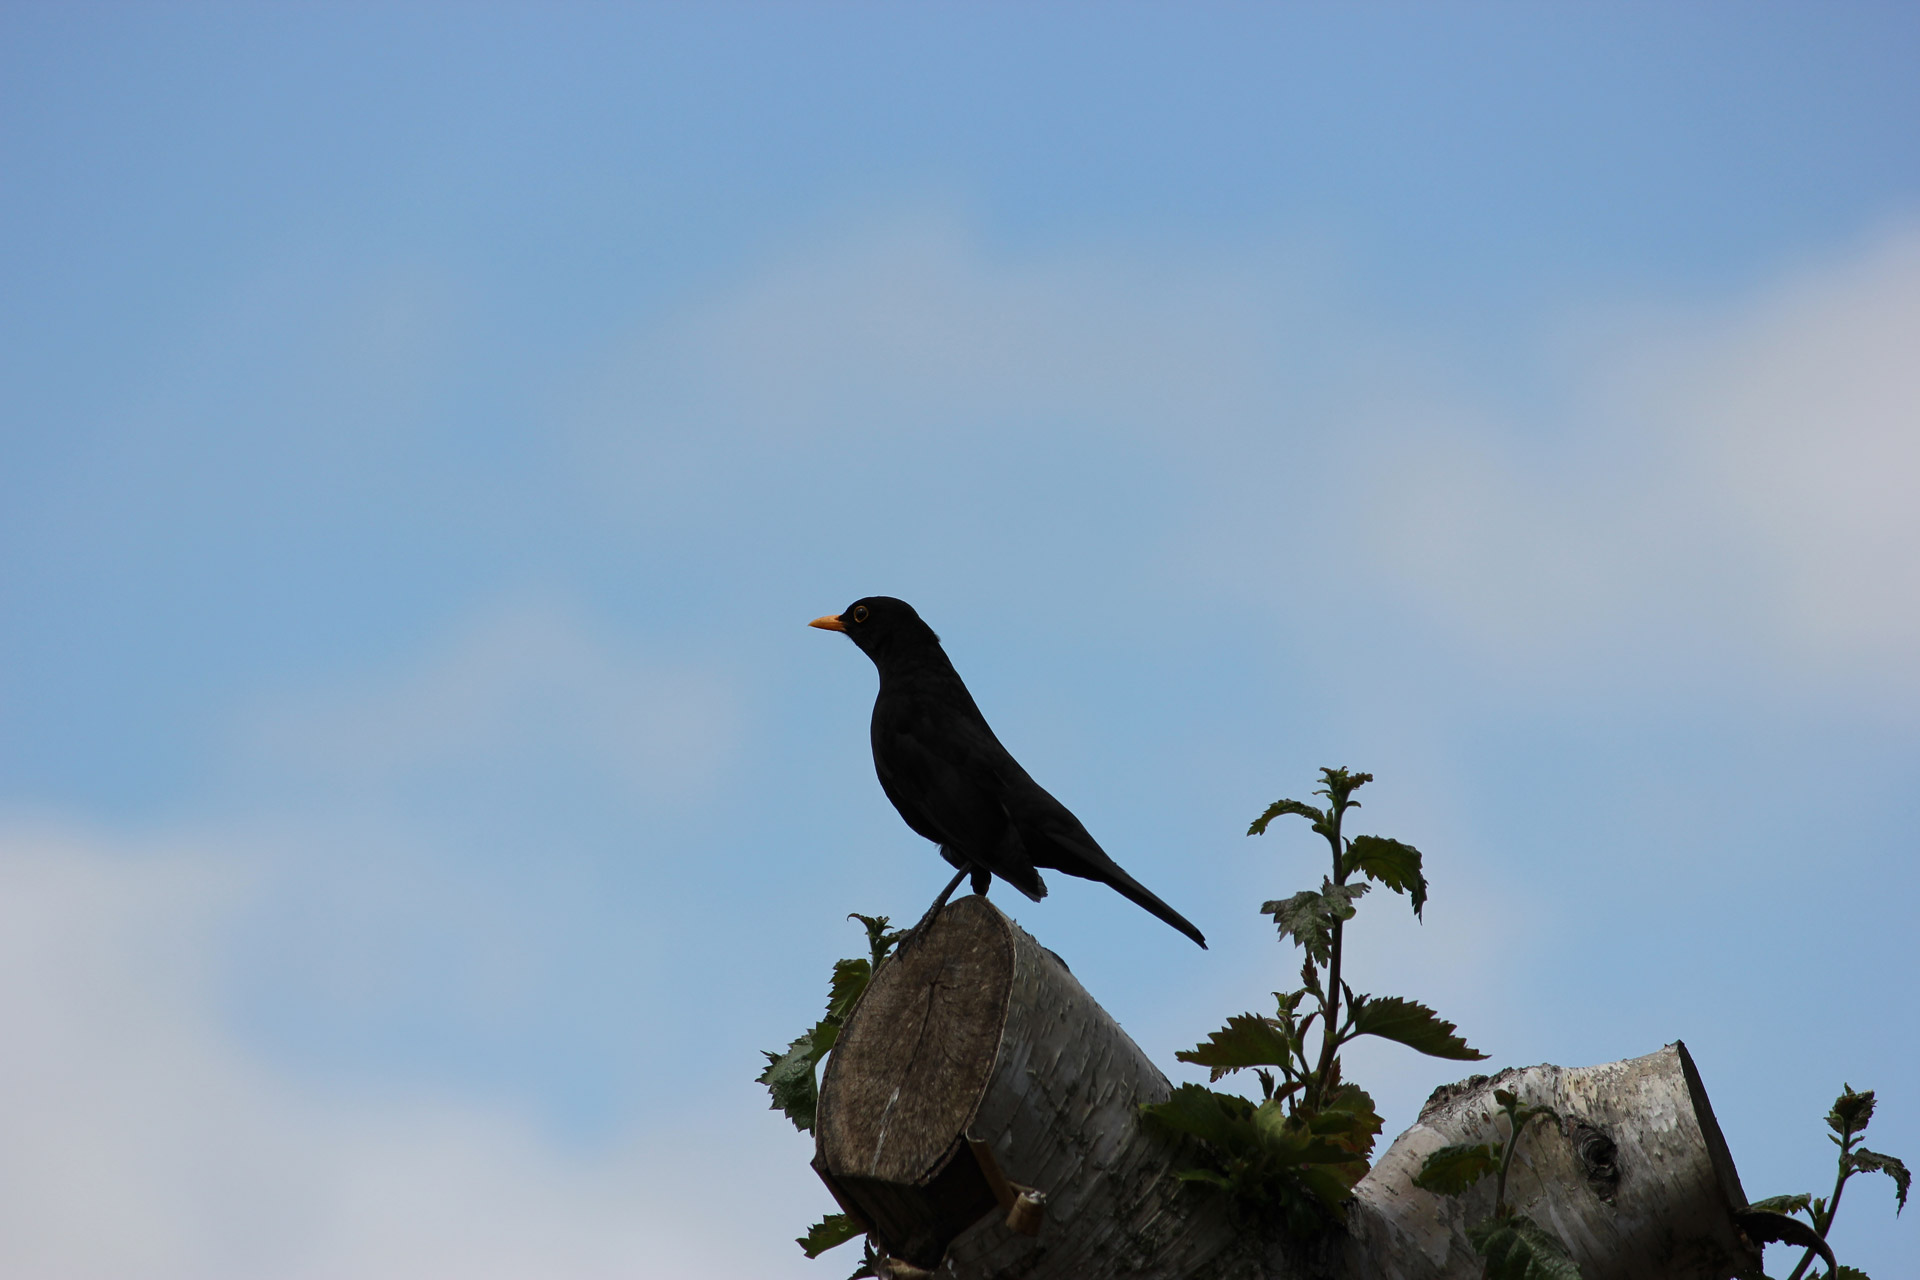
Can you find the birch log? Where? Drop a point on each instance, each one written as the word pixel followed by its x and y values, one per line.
pixel 977 1085
pixel 1635 1179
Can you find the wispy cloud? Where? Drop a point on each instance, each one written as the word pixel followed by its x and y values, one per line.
pixel 143 1139
pixel 1736 480
pixel 522 686
pixel 1688 480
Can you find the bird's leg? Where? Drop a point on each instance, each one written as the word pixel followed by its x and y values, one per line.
pixel 913 934
pixel 982 880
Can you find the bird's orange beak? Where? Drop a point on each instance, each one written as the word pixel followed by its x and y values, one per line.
pixel 828 623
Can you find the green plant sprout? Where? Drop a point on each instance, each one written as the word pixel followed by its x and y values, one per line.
pixel 1771 1220
pixel 1515 1246
pixel 792 1078
pixel 1296 1155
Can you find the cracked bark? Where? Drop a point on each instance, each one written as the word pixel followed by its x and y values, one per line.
pixel 981 1033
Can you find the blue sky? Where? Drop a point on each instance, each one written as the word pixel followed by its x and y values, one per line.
pixel 428 430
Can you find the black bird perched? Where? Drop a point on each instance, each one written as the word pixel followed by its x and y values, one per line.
pixel 952 780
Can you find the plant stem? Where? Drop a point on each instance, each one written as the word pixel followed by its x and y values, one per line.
pixel 1823 1222
pixel 1330 1018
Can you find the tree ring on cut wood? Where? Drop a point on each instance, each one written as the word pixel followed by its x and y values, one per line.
pixel 906 1077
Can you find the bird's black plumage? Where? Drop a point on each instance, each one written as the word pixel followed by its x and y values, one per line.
pixel 952 780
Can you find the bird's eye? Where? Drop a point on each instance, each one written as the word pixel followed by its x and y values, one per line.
pixel 859 613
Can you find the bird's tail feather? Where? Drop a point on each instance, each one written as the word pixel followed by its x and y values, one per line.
pixel 1094 864
pixel 1135 892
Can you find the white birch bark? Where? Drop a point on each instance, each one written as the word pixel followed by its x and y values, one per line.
pixel 980 1033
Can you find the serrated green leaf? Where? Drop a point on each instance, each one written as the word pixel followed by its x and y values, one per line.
pixel 1304 917
pixel 1452 1169
pixel 850 978
pixel 1349 1118
pixel 1851 1111
pixel 1392 864
pixel 1873 1161
pixel 833 1230
pixel 1280 808
pixel 1851 1273
pixel 1781 1204
pixel 1340 784
pixel 1246 1041
pixel 1309 917
pixel 1218 1119
pixel 1518 1248
pixel 1341 897
pixel 1309 978
pixel 1765 1227
pixel 1332 1185
pixel 789 1079
pixel 1203 1175
pixel 880 942
pixel 1414 1025
pixel 1283 1138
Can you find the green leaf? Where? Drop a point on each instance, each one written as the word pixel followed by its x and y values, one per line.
pixel 1341 897
pixel 1303 1138
pixel 1306 919
pixel 1851 1111
pixel 1310 981
pixel 1217 1119
pixel 833 1230
pixel 1331 1184
pixel 1781 1204
pixel 1246 1041
pixel 1851 1273
pixel 879 941
pixel 850 978
pixel 1864 1160
pixel 1391 863
pixel 789 1078
pixel 1349 1119
pixel 1518 1248
pixel 1763 1227
pixel 1280 808
pixel 1412 1024
pixel 1309 917
pixel 1452 1169
pixel 1341 784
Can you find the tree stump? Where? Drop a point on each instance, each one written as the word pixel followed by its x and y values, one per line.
pixel 980 1115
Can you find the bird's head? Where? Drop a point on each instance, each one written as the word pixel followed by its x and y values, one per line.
pixel 880 625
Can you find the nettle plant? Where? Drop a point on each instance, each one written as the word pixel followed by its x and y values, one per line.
pixel 1772 1220
pixel 1295 1155
pixel 793 1077
pixel 1515 1246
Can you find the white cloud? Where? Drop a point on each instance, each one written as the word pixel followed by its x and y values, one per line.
pixel 1693 482
pixel 139 1138
pixel 1739 481
pixel 520 683
pixel 1805 411
pixel 916 328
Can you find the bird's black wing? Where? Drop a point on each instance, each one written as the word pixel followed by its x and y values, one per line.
pixel 1054 838
pixel 947 775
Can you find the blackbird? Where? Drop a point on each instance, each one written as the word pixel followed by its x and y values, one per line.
pixel 952 780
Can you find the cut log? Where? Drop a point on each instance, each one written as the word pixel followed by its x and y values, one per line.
pixel 980 1116
pixel 1636 1178
pixel 979 1031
